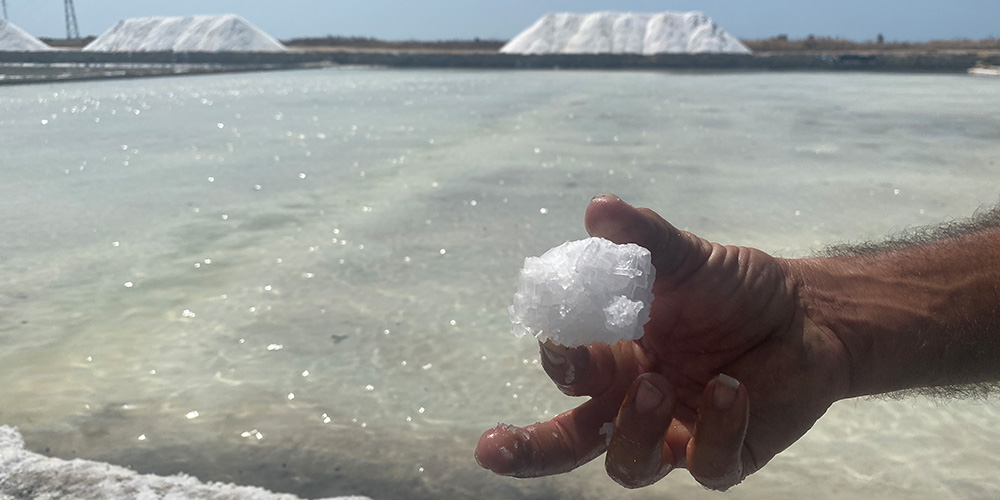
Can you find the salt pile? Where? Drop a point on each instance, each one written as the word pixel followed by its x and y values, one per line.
pixel 624 33
pixel 583 292
pixel 24 474
pixel 225 33
pixel 13 38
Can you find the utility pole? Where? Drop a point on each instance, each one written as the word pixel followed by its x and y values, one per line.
pixel 72 30
pixel 5 10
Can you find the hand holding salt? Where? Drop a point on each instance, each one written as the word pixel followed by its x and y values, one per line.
pixel 788 330
pixel 584 292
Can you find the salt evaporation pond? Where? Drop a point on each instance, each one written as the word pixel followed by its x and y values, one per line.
pixel 300 280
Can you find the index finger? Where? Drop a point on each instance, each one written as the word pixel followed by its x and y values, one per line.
pixel 562 444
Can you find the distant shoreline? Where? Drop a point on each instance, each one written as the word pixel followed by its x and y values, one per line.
pixel 775 44
pixel 68 65
pixel 39 73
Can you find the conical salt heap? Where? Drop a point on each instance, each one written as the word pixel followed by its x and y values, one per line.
pixel 624 33
pixel 225 33
pixel 13 38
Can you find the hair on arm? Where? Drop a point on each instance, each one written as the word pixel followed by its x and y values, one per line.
pixel 971 341
pixel 983 219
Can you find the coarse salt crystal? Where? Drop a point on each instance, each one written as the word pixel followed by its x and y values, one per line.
pixel 584 292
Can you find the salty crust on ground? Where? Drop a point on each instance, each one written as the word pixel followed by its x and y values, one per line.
pixel 27 475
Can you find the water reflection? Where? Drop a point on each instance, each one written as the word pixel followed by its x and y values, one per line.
pixel 316 265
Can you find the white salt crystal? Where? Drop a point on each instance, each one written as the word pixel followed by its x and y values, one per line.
pixel 624 33
pixel 13 38
pixel 583 292
pixel 212 33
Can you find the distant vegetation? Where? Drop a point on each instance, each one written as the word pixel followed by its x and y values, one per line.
pixel 73 43
pixel 366 43
pixel 782 43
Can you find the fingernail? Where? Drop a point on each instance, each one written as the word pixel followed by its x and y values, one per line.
pixel 647 397
pixel 726 388
pixel 553 357
pixel 606 195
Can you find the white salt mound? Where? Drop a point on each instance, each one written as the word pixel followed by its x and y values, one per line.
pixel 584 292
pixel 624 33
pixel 225 33
pixel 13 38
pixel 27 475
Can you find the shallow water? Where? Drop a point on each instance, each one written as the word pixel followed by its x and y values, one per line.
pixel 299 280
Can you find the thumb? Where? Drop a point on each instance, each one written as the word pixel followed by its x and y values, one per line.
pixel 673 251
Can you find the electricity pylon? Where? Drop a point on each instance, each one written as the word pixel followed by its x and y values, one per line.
pixel 72 30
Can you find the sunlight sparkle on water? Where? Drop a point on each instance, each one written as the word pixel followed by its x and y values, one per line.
pixel 431 256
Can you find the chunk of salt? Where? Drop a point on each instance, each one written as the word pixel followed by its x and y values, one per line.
pixel 583 292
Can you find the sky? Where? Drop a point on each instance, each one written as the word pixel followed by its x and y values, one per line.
pixel 897 20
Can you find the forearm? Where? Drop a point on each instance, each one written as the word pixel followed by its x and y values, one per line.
pixel 925 315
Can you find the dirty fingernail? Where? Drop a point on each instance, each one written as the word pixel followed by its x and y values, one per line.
pixel 726 388
pixel 647 397
pixel 605 195
pixel 554 357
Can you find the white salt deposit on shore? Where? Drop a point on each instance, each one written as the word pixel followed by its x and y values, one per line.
pixel 223 33
pixel 13 38
pixel 583 292
pixel 624 33
pixel 27 475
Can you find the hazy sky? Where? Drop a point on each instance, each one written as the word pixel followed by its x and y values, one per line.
pixel 911 20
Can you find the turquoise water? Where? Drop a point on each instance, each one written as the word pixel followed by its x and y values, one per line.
pixel 299 280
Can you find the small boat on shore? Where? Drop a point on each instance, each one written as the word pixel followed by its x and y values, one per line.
pixel 984 70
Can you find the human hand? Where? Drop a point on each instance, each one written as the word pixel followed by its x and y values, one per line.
pixel 717 310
